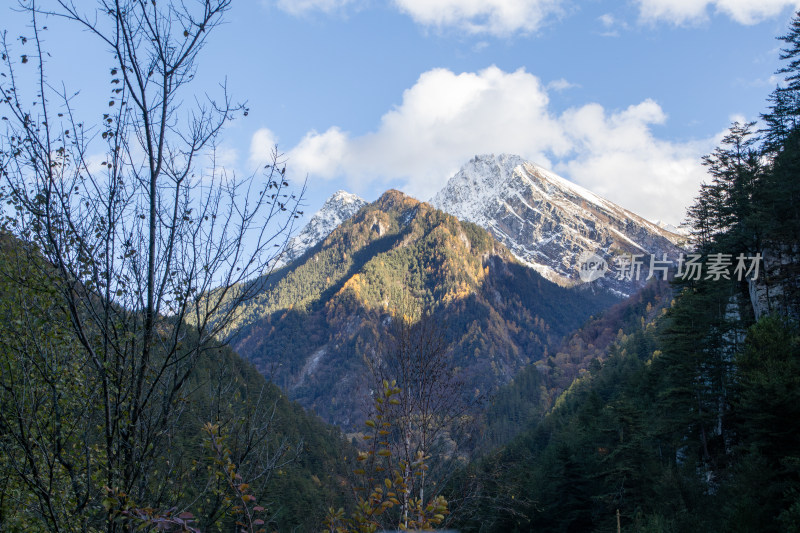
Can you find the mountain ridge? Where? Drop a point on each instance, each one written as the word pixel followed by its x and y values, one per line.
pixel 548 222
pixel 339 207
pixel 332 306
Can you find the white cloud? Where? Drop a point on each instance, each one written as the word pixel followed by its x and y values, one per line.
pixel 770 82
pixel 607 20
pixel 302 7
pixel 262 144
pixel 321 155
pixel 445 118
pixel 494 17
pixel 611 25
pixel 618 157
pixel 497 17
pixel 480 46
pixel 225 156
pixel 693 11
pixel 561 84
pixel 676 11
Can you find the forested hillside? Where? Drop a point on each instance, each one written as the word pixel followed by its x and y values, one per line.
pixel 692 421
pixel 319 323
pixel 533 391
pixel 52 462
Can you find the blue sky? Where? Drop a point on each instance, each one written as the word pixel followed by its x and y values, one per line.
pixel 622 97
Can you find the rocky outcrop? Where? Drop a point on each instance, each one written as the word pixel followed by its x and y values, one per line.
pixel 777 287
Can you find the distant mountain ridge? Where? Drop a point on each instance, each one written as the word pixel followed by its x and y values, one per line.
pixel 548 222
pixel 339 207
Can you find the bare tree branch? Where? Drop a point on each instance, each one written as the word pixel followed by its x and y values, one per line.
pixel 145 248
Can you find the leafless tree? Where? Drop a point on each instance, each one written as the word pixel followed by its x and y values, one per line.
pixel 430 410
pixel 145 249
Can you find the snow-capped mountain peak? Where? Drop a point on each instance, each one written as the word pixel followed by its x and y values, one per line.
pixel 547 221
pixel 339 207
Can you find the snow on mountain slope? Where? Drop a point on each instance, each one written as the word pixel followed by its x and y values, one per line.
pixel 339 207
pixel 548 222
pixel 681 231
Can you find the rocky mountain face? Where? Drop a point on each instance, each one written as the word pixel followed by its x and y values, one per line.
pixel 339 207
pixel 550 223
pixel 321 320
pixel 777 286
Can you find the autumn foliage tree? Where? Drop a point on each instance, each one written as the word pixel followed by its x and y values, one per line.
pixel 385 479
